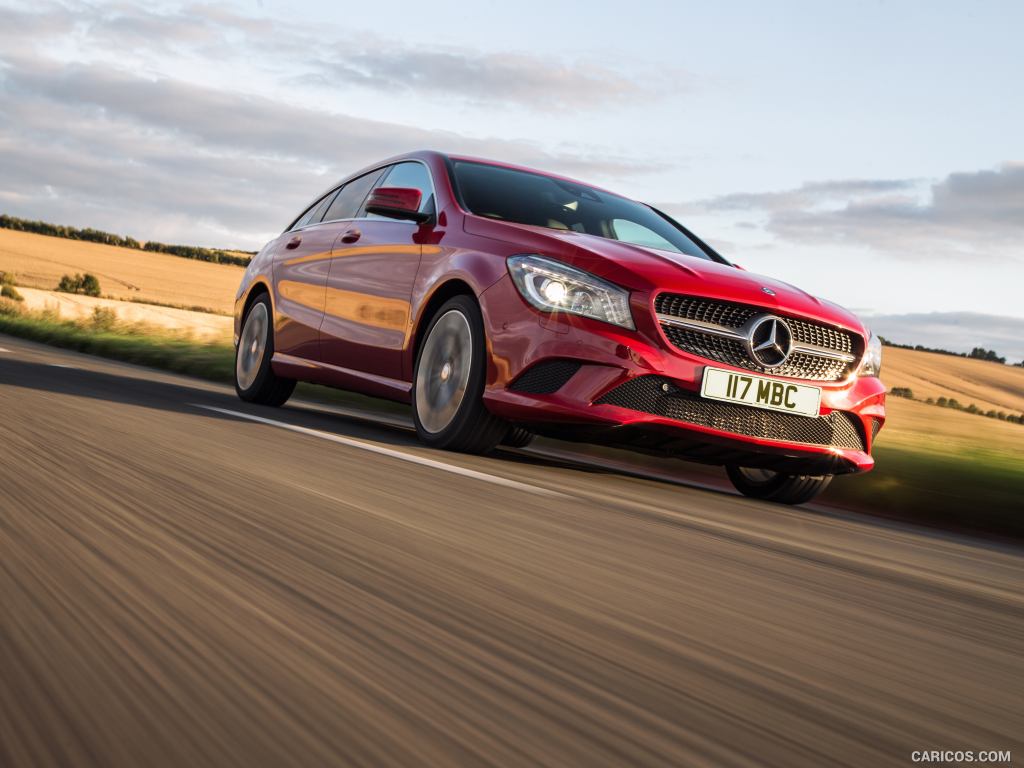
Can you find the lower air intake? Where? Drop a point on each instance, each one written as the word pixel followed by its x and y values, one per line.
pixel 545 378
pixel 648 394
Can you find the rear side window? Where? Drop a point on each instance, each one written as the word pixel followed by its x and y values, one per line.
pixel 411 176
pixel 315 213
pixel 350 199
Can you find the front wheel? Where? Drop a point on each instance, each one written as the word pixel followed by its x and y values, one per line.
pixel 768 485
pixel 517 437
pixel 255 380
pixel 448 383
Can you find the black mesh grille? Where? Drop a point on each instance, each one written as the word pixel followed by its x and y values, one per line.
pixel 876 424
pixel 732 352
pixel 546 378
pixel 648 394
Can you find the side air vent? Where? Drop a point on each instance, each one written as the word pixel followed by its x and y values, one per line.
pixel 545 378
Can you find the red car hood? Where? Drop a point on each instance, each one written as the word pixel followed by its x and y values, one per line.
pixel 653 270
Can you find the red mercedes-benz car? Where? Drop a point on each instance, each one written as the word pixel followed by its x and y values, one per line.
pixel 502 302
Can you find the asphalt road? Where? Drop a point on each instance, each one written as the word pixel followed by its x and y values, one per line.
pixel 185 586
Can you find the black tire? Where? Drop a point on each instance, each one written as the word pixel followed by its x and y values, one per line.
pixel 517 437
pixel 470 427
pixel 255 380
pixel 776 486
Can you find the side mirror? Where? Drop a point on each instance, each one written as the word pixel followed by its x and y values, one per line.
pixel 397 203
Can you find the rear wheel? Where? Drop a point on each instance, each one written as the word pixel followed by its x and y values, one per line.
pixel 448 383
pixel 255 380
pixel 769 485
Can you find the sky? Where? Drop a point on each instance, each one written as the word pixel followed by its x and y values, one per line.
pixel 870 152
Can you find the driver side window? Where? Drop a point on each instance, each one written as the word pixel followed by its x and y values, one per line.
pixel 412 176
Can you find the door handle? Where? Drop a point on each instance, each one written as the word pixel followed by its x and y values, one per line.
pixel 294 242
pixel 351 236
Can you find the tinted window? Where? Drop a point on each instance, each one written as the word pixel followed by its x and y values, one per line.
pixel 348 201
pixel 532 198
pixel 412 176
pixel 315 212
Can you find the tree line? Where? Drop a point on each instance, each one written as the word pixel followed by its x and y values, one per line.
pixel 978 353
pixel 956 405
pixel 214 255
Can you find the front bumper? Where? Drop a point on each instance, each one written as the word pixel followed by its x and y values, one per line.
pixel 630 389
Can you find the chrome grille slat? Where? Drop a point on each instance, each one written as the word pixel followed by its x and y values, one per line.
pixel 713 330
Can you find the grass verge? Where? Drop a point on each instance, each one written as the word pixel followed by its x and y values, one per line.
pixel 140 344
pixel 977 489
pixel 131 344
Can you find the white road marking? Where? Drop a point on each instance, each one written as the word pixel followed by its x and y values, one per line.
pixel 59 365
pixel 3 349
pixel 391 452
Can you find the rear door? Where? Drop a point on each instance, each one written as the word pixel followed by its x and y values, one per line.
pixel 301 265
pixel 369 288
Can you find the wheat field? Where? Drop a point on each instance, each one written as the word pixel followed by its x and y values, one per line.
pixel 986 384
pixel 39 261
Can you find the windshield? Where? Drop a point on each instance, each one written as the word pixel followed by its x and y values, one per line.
pixel 531 198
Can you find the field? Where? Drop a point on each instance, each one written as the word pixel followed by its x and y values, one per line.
pixel 933 464
pixel 39 261
pixel 988 385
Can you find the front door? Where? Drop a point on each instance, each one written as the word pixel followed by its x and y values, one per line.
pixel 367 306
pixel 369 288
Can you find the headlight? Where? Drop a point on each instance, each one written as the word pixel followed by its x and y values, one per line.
pixel 551 286
pixel 872 363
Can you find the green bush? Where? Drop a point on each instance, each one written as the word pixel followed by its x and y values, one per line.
pixel 87 284
pixel 90 285
pixel 10 292
pixel 103 319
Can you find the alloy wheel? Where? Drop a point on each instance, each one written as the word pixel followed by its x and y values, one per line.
pixel 252 346
pixel 442 377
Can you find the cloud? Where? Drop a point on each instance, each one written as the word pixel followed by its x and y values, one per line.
pixel 299 56
pixel 193 163
pixel 542 84
pixel 977 214
pixel 955 331
pixel 95 132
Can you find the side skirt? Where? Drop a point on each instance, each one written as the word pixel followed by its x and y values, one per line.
pixel 316 372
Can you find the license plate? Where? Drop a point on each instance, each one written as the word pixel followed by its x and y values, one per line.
pixel 760 392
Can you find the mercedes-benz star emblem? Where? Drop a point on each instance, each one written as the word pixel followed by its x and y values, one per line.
pixel 769 341
pixel 766 289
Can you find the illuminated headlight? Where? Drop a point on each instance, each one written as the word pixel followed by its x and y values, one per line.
pixel 552 286
pixel 872 363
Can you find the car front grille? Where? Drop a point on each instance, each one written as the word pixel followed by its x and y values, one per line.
pixel 715 330
pixel 659 396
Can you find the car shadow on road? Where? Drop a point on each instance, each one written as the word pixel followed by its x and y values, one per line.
pixel 131 389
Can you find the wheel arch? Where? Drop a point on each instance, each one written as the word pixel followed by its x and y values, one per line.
pixel 255 290
pixel 442 293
